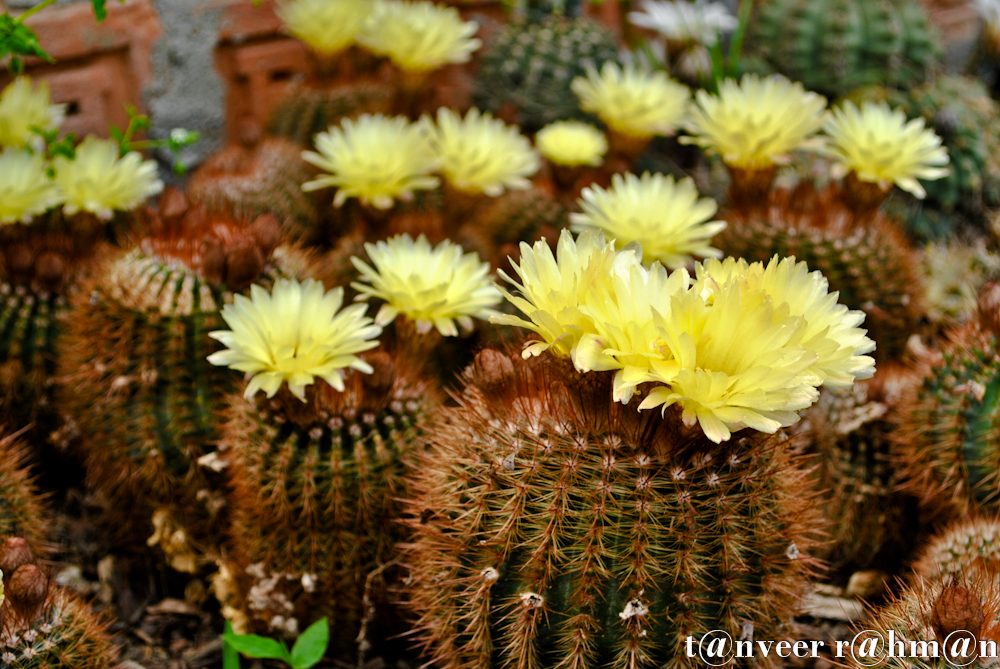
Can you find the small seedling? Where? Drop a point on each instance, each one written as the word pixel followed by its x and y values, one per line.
pixel 306 652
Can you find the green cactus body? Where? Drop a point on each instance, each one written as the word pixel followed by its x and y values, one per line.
pixel 961 111
pixel 265 179
pixel 949 434
pixel 64 635
pixel 834 46
pixel 527 69
pixel 307 111
pixel 316 499
pixel 872 523
pixel 553 528
pixel 869 262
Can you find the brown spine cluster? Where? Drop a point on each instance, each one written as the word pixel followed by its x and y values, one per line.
pixel 49 252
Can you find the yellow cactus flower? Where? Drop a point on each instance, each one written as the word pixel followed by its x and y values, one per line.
pixel 879 146
pixel 480 153
pixel 665 217
pixel 25 187
pixel 434 287
pixel 419 36
pixel 758 122
pixel 326 26
pixel 633 101
pixel 626 311
pixel 572 143
pixel 553 288
pixel 829 330
pixel 292 335
pixel 100 182
pixel 375 159
pixel 734 364
pixel 23 107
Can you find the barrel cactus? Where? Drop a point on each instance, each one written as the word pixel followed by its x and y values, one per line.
pixel 139 389
pixel 834 46
pixel 526 70
pixel 961 548
pixel 21 511
pixel 306 111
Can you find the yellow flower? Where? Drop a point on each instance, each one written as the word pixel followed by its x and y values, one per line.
pixel 22 107
pixel 480 153
pixel 758 122
pixel 100 182
pixel 327 26
pixel 572 143
pixel 375 159
pixel 665 217
pixel 419 36
pixel 626 309
pixel 553 288
pixel 734 364
pixel 879 146
pixel 293 335
pixel 25 188
pixel 633 102
pixel 829 330
pixel 432 286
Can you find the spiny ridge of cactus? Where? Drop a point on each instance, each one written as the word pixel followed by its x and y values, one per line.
pixel 949 429
pixel 866 258
pixel 962 113
pixel 306 111
pixel 962 548
pixel 527 68
pixel 43 626
pixel 316 489
pixel 265 179
pixel 138 385
pixel 872 524
pixel 21 510
pixel 835 46
pixel 553 527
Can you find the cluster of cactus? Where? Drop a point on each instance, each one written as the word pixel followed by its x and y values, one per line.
pixel 872 524
pixel 835 46
pixel 526 69
pixel 962 113
pixel 949 431
pixel 316 490
pixel 553 528
pixel 43 626
pixel 306 111
pixel 868 260
pixel 267 178
pixel 139 388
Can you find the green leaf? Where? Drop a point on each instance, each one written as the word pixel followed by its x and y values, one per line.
pixel 18 39
pixel 99 10
pixel 252 645
pixel 311 645
pixel 230 656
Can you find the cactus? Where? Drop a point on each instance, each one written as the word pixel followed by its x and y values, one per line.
pixel 872 524
pixel 21 510
pixel 41 265
pixel 961 112
pixel 315 502
pixel 960 549
pixel 869 261
pixel 265 179
pixel 949 429
pixel 43 626
pixel 553 528
pixel 137 383
pixel 307 111
pixel 527 68
pixel 834 46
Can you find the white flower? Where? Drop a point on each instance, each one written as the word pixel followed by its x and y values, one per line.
pixel 684 21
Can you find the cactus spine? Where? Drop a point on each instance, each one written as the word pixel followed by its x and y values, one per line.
pixel 553 528
pixel 527 69
pixel 21 511
pixel 834 46
pixel 315 502
pixel 960 549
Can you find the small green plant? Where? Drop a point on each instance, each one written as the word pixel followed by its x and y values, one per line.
pixel 18 40
pixel 306 652
pixel 178 139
